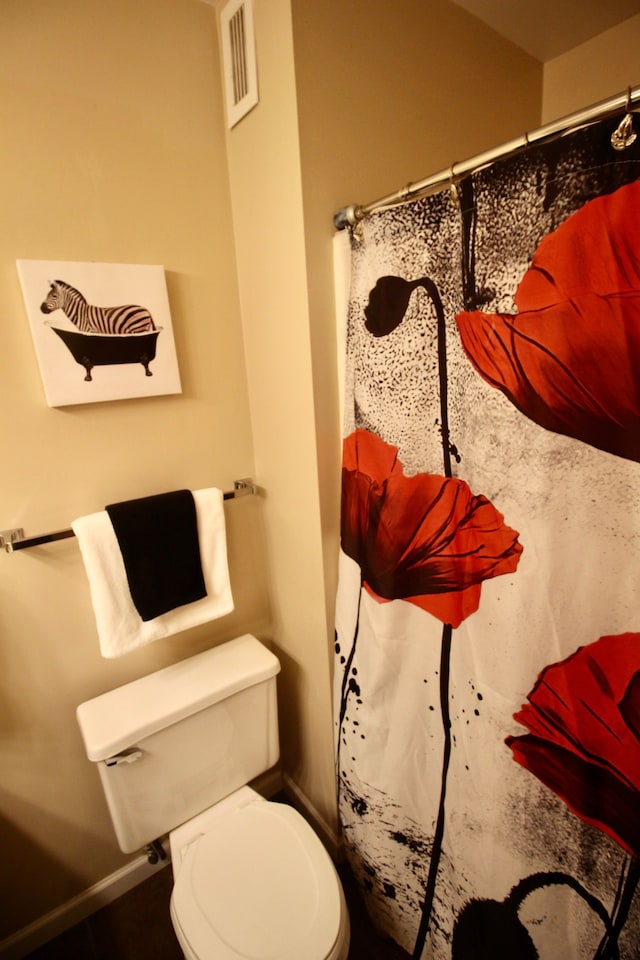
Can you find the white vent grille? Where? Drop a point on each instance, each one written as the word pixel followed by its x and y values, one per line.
pixel 239 56
pixel 239 61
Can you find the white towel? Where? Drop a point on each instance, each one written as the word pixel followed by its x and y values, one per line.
pixel 120 628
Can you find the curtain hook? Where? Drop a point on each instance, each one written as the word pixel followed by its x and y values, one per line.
pixel 624 134
pixel 453 187
pixel 355 230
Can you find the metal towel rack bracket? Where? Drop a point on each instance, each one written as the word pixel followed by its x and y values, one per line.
pixel 14 539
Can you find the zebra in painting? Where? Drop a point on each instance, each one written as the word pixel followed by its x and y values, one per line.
pixel 91 319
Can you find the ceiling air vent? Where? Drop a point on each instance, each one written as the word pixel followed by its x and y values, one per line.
pixel 239 59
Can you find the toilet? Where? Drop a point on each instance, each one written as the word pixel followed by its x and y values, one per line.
pixel 176 751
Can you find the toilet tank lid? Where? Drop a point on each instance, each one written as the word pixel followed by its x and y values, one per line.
pixel 116 720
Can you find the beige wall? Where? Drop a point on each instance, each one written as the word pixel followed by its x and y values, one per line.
pixel 600 68
pixel 113 149
pixel 266 196
pixel 389 93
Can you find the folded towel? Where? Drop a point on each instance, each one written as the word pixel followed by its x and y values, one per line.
pixel 120 627
pixel 158 539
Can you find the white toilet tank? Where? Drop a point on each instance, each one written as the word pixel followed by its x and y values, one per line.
pixel 173 743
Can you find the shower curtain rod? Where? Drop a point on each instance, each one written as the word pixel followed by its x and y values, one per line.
pixel 350 216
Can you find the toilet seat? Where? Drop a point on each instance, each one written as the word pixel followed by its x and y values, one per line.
pixel 258 884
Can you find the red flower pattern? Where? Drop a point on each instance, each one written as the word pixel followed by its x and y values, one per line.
pixel 570 358
pixel 583 717
pixel 426 539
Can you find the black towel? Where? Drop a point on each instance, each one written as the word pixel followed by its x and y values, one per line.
pixel 158 539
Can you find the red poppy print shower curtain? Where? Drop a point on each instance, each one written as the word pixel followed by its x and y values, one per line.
pixel 487 682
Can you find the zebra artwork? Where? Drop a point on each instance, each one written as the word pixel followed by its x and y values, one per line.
pixel 104 336
pixel 91 319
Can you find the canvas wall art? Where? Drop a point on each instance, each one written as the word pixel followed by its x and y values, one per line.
pixel 101 331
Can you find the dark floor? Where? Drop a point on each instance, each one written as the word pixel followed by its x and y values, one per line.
pixel 137 926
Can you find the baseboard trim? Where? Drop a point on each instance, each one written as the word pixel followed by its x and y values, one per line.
pixel 74 911
pixel 269 783
pixel 300 800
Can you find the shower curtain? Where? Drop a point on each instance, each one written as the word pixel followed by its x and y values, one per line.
pixel 487 683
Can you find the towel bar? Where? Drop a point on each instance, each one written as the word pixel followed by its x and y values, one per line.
pixel 14 539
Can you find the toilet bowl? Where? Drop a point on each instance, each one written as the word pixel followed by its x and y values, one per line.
pixel 176 751
pixel 252 880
